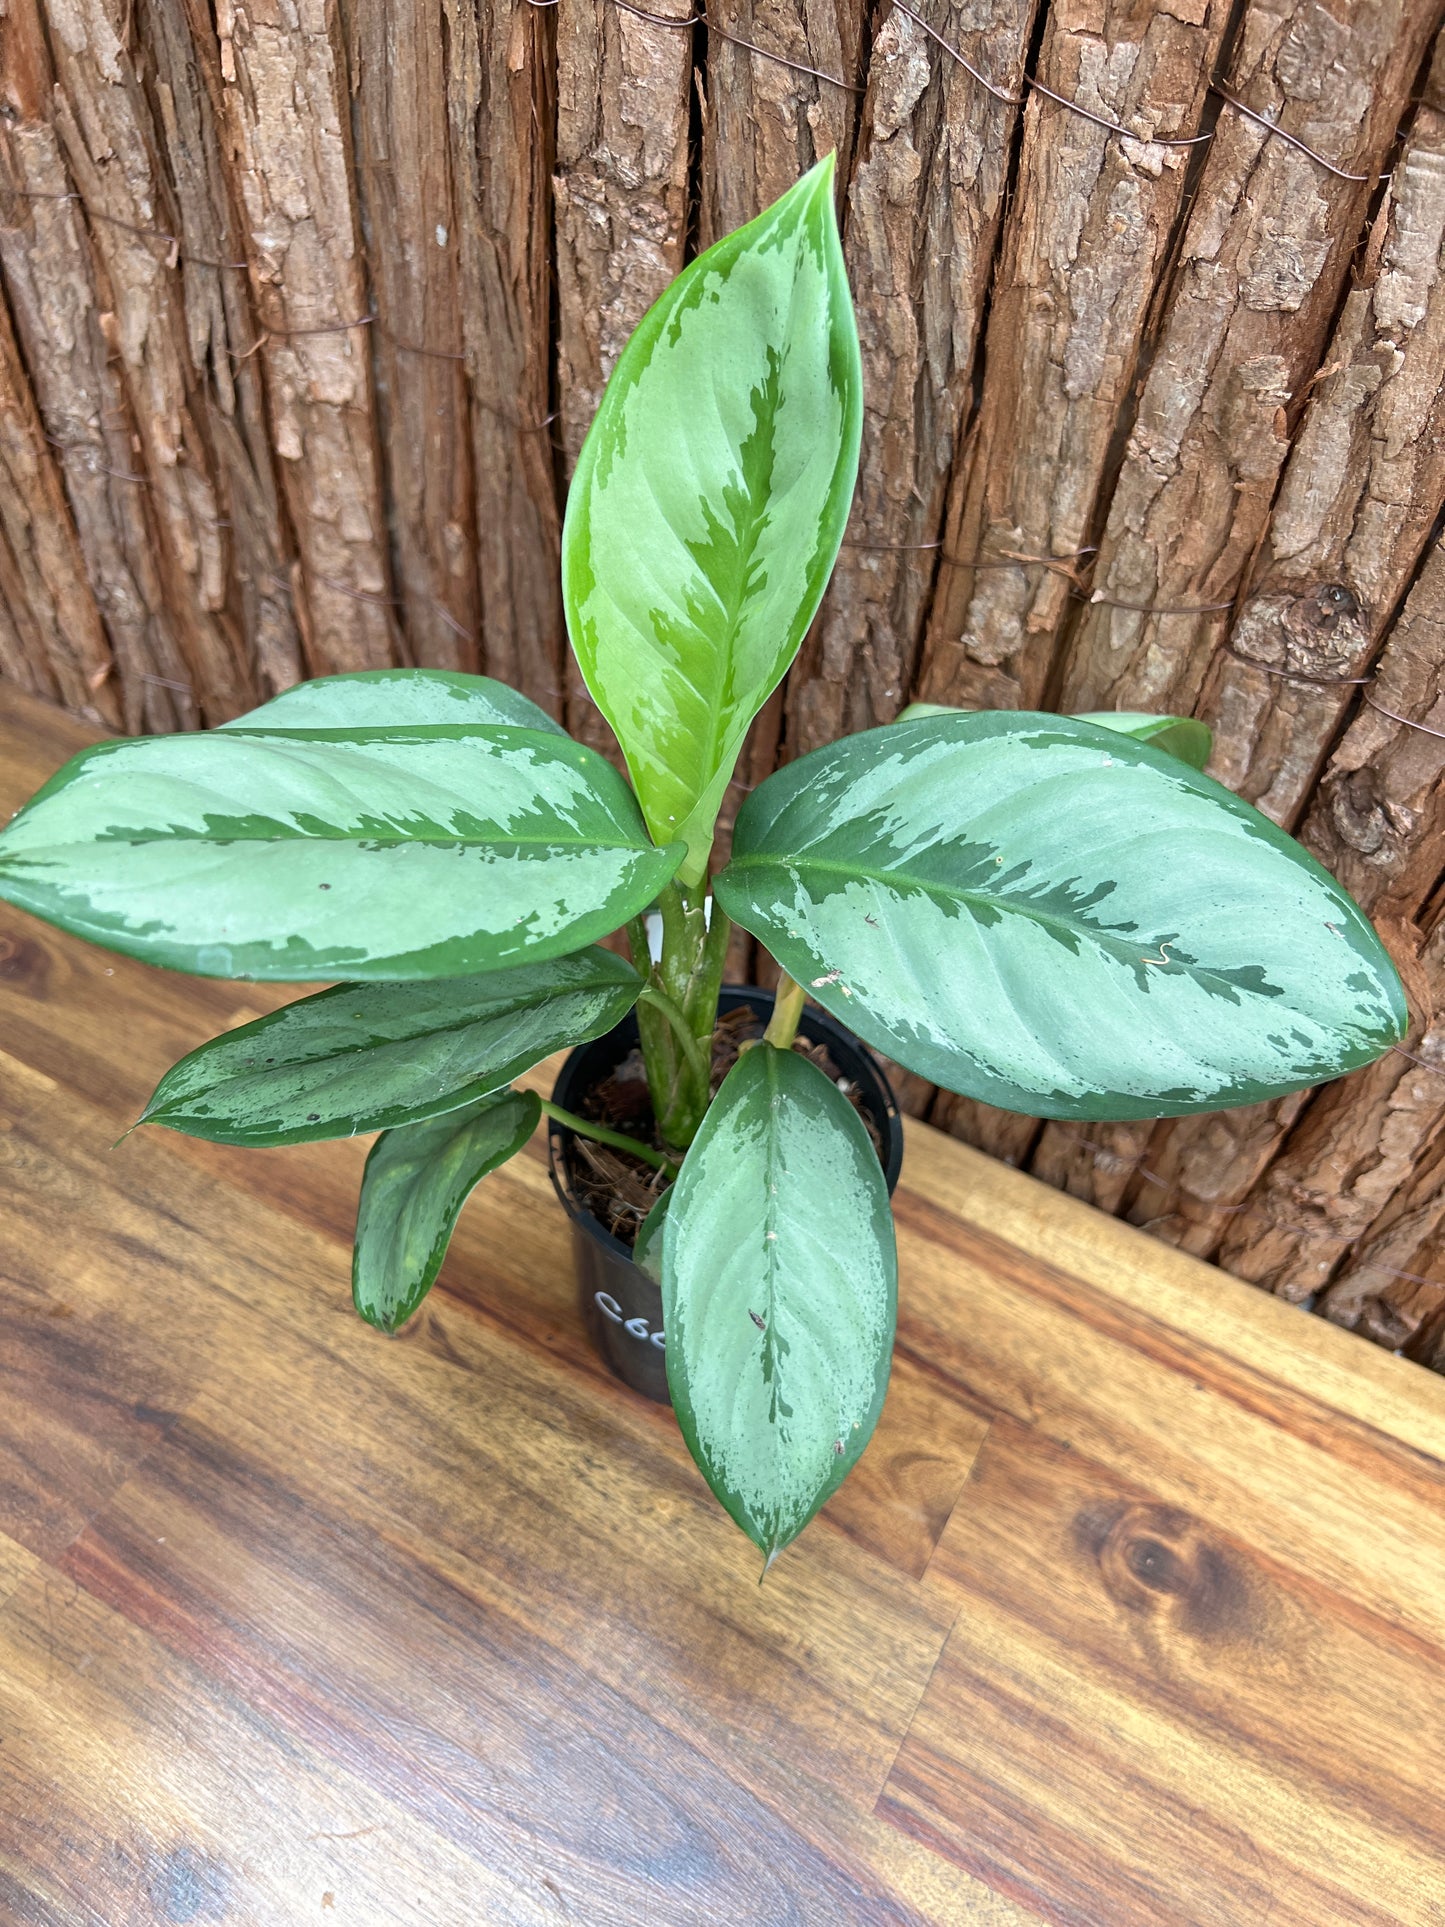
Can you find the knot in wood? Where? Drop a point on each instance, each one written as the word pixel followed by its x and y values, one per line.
pixel 25 966
pixel 1315 633
pixel 1156 1562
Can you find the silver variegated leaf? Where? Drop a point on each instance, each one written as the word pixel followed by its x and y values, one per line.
pixel 709 501
pixel 779 1293
pixel 393 698
pixel 416 1181
pixel 1058 919
pixel 424 851
pixel 369 1057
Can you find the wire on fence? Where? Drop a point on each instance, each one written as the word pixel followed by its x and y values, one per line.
pixel 1299 675
pixel 702 19
pixel 1098 600
pixel 1280 133
pixel 1406 721
pixel 1030 82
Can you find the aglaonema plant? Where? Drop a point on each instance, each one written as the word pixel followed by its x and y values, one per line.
pixel 1060 915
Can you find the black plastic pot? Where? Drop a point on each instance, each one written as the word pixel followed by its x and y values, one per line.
pixel 620 1303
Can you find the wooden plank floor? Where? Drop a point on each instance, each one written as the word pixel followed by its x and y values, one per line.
pixel 1133 1615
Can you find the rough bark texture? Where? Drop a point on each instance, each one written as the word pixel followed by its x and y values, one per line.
pixel 501 108
pixel 109 141
pixel 1362 487
pixel 1093 218
pixel 182 60
pixel 1358 1143
pixel 63 307
pixel 403 170
pixel 621 210
pixel 288 123
pixel 51 638
pixel 1378 818
pixel 1392 1286
pixel 307 307
pixel 621 188
pixel 1379 824
pixel 922 224
pixel 1263 262
pixel 765 122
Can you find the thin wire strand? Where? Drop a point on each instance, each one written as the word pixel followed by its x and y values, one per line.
pixel 702 19
pixel 1099 600
pixel 1114 127
pixel 1008 100
pixel 1423 1062
pixel 1271 127
pixel 888 548
pixel 130 227
pixel 1405 721
pixel 1300 675
pixel 99 468
pixel 1032 83
pixel 1390 1271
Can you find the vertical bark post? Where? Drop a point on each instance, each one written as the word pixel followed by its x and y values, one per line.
pixel 397 56
pixel 501 108
pixel 1263 262
pixel 1361 490
pixel 620 192
pixel 63 308
pixel 1087 241
pixel 52 641
pixel 287 122
pixel 922 221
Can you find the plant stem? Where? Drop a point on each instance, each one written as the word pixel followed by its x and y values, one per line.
pixel 787 1009
pixel 692 1050
pixel 617 1139
pixel 677 1012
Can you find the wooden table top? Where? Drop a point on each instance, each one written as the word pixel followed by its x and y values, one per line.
pixel 1131 1616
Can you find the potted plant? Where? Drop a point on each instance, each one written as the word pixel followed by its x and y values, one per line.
pixel 1059 915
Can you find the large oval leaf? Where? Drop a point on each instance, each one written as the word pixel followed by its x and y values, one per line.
pixel 709 502
pixel 391 698
pixel 368 1057
pixel 779 1293
pixel 369 853
pixel 1058 919
pixel 416 1181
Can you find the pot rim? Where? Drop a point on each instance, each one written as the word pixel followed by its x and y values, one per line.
pixel 729 997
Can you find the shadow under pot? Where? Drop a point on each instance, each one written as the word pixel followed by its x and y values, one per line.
pixel 621 1305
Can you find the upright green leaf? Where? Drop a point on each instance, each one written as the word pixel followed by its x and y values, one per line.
pixel 424 851
pixel 1181 736
pixel 779 1293
pixel 709 502
pixel 394 698
pixel 1058 919
pixel 416 1181
pixel 368 1057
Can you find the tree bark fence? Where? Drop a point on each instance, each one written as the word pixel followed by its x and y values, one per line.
pixel 307 307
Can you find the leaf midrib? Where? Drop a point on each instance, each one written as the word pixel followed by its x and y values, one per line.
pixel 348 1051
pixel 1085 932
pixel 341 836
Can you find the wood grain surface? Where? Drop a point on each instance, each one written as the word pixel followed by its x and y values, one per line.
pixel 1133 1613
